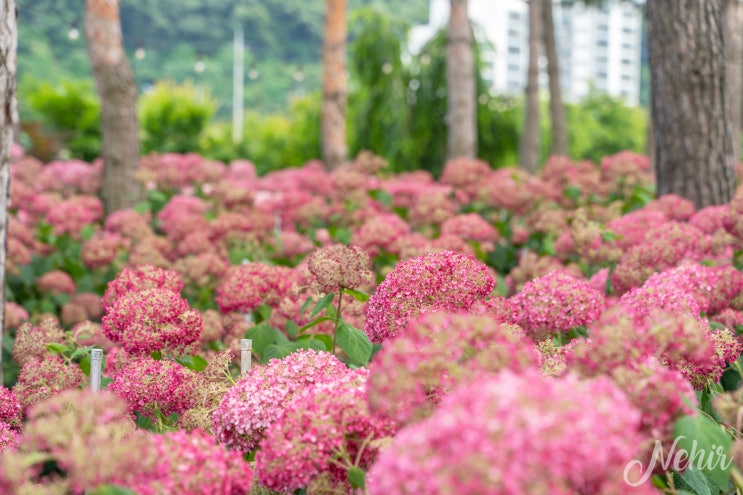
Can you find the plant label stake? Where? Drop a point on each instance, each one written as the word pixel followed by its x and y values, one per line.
pixel 246 355
pixel 96 358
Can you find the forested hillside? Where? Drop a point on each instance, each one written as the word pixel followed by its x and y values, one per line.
pixel 283 40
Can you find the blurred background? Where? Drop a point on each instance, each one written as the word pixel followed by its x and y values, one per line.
pixel 183 53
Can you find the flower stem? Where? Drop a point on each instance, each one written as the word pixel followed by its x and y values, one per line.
pixel 337 316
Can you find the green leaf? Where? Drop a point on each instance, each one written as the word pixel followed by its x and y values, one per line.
pixel 81 351
pixel 87 232
pixel 322 304
pixel 156 355
pixel 291 329
pixel 572 193
pixel 354 343
pixel 143 207
pixel 85 364
pixel 57 347
pixel 706 445
pixel 315 344
pixel 357 294
pixel 314 322
pixel 608 236
pixel 263 336
pixel 325 340
pixel 194 363
pixel 111 490
pixel 305 305
pixel 357 477
pixel 264 311
pixel 279 351
pixel 696 481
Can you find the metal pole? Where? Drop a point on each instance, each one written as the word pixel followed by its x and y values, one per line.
pixel 96 359
pixel 246 355
pixel 238 72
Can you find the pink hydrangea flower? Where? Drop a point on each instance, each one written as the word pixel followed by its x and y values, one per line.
pixel 556 302
pixel 140 278
pixel 192 464
pixel 379 233
pixel 39 380
pixel 245 287
pixel 31 340
pixel 339 266
pixel 102 250
pixel 471 227
pixel 440 281
pixel 10 409
pixel 56 282
pixel 261 396
pixel 413 372
pixel 482 440
pixel 148 385
pixel 315 428
pixel 152 320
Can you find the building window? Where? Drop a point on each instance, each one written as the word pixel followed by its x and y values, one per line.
pixel 602 43
pixel 514 67
pixel 515 16
pixel 513 33
pixel 627 30
pixel 513 49
pixel 626 61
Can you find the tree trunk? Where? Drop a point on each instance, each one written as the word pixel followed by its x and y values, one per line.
pixel 530 137
pixel 558 122
pixel 334 145
pixel 689 101
pixel 461 103
pixel 117 90
pixel 733 38
pixel 8 118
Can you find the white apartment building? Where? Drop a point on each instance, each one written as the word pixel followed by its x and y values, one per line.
pixel 597 47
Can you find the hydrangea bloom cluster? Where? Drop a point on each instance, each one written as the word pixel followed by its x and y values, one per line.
pixel 149 386
pixel 206 392
pixel 152 320
pixel 39 380
pixel 10 409
pixel 329 423
pixel 245 287
pixel 31 340
pixel 192 464
pixel 471 227
pixel 83 306
pixel 465 174
pixel 182 215
pixel 102 249
pixel 140 278
pixel 56 282
pixel 261 396
pixel 556 302
pixel 340 267
pixel 481 440
pixel 413 372
pixel 89 436
pixel 431 209
pixel 439 281
pixel 71 215
pixel 379 234
pixel 663 247
pixel 15 315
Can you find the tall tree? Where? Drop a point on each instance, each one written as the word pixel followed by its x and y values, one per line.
pixel 8 117
pixel 733 38
pixel 530 136
pixel 117 90
pixel 461 108
pixel 334 145
pixel 689 100
pixel 558 120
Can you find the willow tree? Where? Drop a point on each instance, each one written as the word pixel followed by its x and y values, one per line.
pixel 8 117
pixel 334 145
pixel 460 82
pixel 117 90
pixel 690 101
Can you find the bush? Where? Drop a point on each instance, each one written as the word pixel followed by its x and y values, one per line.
pixel 173 116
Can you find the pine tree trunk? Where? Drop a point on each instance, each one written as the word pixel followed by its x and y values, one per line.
pixel 558 122
pixel 8 118
pixel 733 38
pixel 460 80
pixel 689 100
pixel 118 93
pixel 334 145
pixel 530 137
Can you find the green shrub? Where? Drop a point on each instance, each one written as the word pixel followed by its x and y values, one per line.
pixel 69 111
pixel 173 116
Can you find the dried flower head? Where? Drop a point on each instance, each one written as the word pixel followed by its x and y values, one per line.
pixel 340 267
